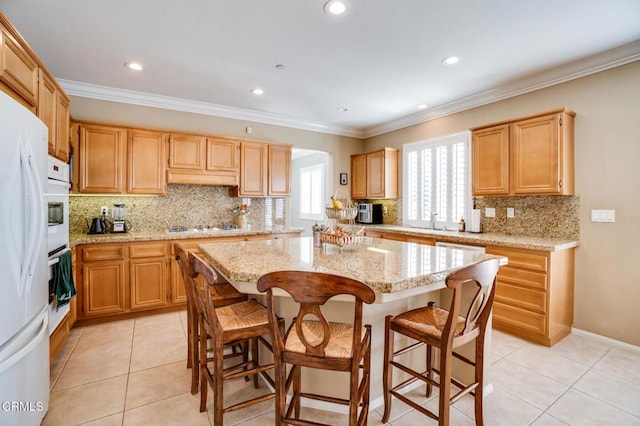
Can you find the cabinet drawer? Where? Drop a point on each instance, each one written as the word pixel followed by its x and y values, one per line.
pixel 152 249
pixel 509 275
pixel 520 318
pixel 103 252
pixel 522 297
pixel 520 259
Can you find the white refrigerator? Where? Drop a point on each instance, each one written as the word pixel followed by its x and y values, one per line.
pixel 24 334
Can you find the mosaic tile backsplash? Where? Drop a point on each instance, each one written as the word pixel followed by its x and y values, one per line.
pixel 188 205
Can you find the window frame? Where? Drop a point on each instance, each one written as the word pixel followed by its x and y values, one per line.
pixel 448 140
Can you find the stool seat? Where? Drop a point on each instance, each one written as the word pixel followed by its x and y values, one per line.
pixel 428 321
pixel 340 340
pixel 242 315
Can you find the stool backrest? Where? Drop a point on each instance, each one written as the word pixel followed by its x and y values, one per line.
pixel 311 290
pixel 483 275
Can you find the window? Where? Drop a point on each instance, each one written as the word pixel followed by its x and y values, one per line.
pixel 437 181
pixel 312 192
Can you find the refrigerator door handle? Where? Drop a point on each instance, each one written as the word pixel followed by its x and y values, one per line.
pixel 43 330
pixel 36 225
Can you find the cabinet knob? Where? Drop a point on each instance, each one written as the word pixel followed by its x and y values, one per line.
pixel 560 184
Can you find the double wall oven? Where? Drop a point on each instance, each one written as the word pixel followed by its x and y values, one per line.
pixel 58 227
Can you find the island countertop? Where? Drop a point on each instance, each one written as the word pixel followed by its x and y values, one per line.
pixel 392 269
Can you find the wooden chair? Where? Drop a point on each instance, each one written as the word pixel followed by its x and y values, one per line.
pixel 221 295
pixel 319 344
pixel 227 325
pixel 438 328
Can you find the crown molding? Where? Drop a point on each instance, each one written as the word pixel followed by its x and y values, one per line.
pixel 86 90
pixel 577 69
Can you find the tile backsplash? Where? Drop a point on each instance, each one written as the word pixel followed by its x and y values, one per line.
pixel 188 205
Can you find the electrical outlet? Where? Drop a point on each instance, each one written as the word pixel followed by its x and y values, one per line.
pixel 384 209
pixel 104 210
pixel 511 213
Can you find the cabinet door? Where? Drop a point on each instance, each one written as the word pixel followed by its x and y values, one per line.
pixel 146 161
pixel 375 175
pixel 103 288
pixel 18 70
pixel 490 161
pixel 359 176
pixel 187 152
pixel 535 157
pixel 147 282
pixel 253 169
pixel 102 159
pixel 62 126
pixel 178 291
pixel 47 108
pixel 222 154
pixel 279 170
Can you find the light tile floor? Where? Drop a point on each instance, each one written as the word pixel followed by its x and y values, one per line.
pixel 133 372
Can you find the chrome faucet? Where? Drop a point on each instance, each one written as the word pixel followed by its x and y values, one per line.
pixel 433 220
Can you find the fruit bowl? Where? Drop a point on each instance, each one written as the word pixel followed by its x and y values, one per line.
pixel 342 237
pixel 345 213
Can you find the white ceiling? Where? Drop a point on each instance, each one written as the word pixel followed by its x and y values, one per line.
pixel 379 60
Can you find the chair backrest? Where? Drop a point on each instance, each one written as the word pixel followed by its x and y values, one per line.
pixel 483 275
pixel 311 290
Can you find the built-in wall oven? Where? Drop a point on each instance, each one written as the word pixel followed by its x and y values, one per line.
pixel 57 195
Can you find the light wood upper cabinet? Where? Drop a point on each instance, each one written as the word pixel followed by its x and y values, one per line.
pixel 47 108
pixel 490 152
pixel 18 69
pixel 375 174
pixel 531 155
pixel 222 154
pixel 53 110
pixel 102 159
pixel 253 169
pixel 199 160
pixel 62 126
pixel 146 163
pixel 187 152
pixel 279 170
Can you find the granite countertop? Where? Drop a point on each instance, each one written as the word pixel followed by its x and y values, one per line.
pixel 75 239
pixel 480 239
pixel 387 266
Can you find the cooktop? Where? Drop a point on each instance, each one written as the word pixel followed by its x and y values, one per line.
pixel 201 228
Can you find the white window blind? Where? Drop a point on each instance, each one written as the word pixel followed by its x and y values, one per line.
pixel 312 192
pixel 437 181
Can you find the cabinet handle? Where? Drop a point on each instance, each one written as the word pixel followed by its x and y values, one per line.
pixel 560 183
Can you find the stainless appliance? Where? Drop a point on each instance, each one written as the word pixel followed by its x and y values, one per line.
pixel 369 213
pixel 58 228
pixel 24 315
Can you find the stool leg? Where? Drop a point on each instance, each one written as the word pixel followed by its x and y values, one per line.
pixel 479 377
pixel 387 373
pixel 445 387
pixel 354 400
pixel 366 375
pixel 255 361
pixel 204 383
pixel 429 369
pixel 297 388
pixel 218 404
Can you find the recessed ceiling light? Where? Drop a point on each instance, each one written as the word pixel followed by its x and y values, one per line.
pixel 257 91
pixel 133 66
pixel 450 60
pixel 422 106
pixel 280 67
pixel 343 109
pixel 336 7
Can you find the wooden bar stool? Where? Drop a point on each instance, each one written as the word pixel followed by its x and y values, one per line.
pixel 318 343
pixel 240 322
pixel 446 330
pixel 221 295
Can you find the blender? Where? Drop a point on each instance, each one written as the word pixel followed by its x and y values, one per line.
pixel 120 224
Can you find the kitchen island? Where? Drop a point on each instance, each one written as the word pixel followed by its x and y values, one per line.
pixel 403 275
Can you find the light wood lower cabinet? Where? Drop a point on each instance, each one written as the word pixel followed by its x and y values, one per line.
pixel 534 294
pixel 148 275
pixel 401 237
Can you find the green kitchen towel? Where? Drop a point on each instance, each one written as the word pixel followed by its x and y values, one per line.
pixel 63 285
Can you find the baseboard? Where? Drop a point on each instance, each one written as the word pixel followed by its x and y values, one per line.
pixel 608 340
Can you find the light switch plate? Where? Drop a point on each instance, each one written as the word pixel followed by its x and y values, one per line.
pixel 511 213
pixel 489 212
pixel 603 216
